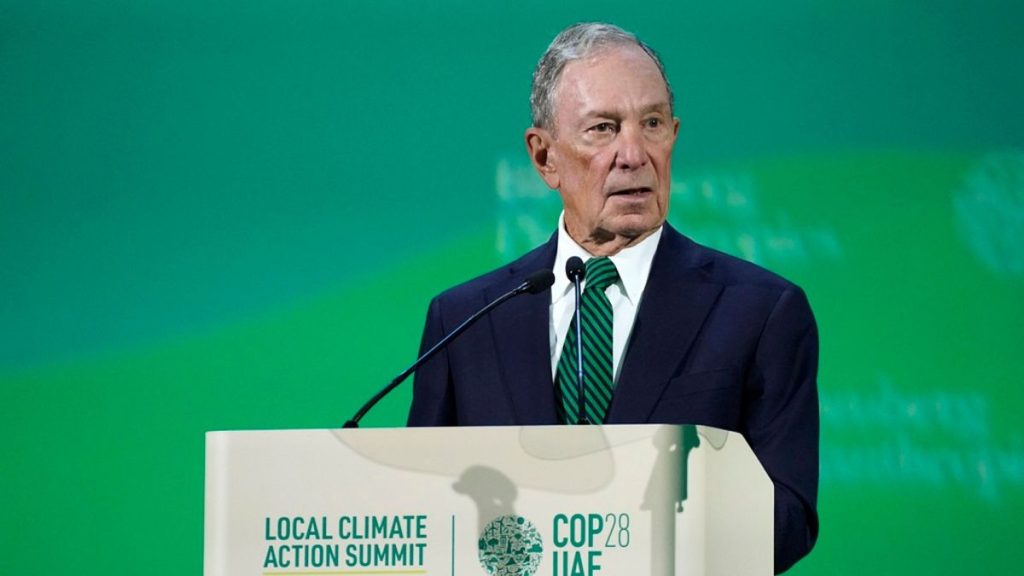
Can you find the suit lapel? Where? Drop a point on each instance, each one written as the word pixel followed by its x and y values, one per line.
pixel 675 303
pixel 521 335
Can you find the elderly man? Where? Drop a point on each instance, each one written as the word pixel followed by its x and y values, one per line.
pixel 673 332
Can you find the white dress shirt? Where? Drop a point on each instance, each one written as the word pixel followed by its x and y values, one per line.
pixel 634 266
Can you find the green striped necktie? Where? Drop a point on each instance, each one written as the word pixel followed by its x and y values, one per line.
pixel 597 348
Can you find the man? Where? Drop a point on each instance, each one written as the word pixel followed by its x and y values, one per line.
pixel 694 336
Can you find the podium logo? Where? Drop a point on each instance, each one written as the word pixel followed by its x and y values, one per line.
pixel 510 546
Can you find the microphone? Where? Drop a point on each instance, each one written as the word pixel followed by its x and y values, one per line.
pixel 575 270
pixel 535 283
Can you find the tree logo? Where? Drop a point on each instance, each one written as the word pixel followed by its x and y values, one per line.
pixel 510 546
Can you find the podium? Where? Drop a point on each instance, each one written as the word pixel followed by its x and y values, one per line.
pixel 547 500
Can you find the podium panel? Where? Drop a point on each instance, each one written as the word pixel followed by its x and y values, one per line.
pixel 546 500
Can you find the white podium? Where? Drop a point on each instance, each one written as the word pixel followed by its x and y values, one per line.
pixel 548 500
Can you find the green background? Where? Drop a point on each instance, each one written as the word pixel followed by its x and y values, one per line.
pixel 232 215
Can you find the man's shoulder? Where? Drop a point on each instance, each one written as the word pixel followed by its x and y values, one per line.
pixel 719 267
pixel 503 278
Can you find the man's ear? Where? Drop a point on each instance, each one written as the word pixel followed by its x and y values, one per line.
pixel 538 146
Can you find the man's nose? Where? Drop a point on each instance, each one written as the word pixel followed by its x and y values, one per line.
pixel 632 152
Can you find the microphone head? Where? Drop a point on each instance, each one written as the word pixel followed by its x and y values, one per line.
pixel 575 269
pixel 539 281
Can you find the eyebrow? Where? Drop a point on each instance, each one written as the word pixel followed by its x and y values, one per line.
pixel 655 107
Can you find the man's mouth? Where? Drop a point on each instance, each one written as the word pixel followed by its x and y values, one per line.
pixel 631 191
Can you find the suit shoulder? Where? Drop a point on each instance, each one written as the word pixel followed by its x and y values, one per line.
pixel 721 268
pixel 503 278
pixel 732 270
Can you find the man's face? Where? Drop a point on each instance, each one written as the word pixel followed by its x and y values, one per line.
pixel 610 150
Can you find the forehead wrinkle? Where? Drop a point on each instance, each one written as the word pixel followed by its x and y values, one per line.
pixel 576 82
pixel 661 106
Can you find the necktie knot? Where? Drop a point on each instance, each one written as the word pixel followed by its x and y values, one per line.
pixel 601 273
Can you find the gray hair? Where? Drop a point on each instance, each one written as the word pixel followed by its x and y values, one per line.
pixel 577 42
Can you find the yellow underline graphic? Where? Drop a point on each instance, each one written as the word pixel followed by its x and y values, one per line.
pixel 345 572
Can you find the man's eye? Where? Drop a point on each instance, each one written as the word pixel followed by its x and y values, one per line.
pixel 653 122
pixel 603 128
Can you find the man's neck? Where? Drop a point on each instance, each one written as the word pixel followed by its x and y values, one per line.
pixel 601 243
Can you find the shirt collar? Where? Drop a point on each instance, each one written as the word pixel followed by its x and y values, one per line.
pixel 633 264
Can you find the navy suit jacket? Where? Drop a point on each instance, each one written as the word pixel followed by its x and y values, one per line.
pixel 717 341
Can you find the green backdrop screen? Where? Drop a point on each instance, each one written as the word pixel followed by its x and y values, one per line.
pixel 232 216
